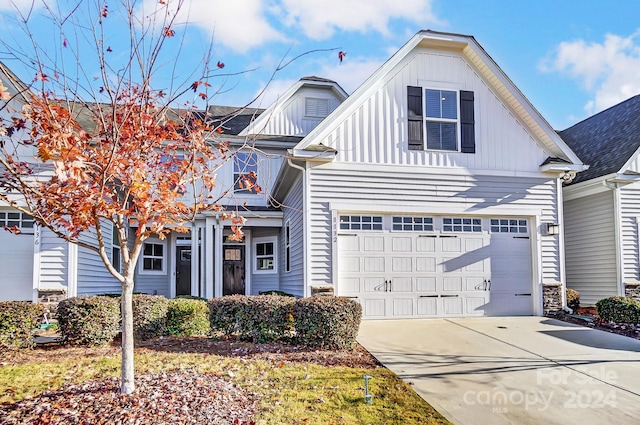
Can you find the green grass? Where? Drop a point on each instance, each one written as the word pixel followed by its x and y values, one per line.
pixel 293 393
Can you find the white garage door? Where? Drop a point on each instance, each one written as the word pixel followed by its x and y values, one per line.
pixel 16 258
pixel 402 267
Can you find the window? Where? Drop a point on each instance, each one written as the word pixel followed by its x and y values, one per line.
pixel 508 225
pixel 442 118
pixel 360 222
pixel 441 112
pixel 245 171
pixel 461 224
pixel 316 108
pixel 413 223
pixel 153 257
pixel 16 219
pixel 115 249
pixel 265 255
pixel 287 247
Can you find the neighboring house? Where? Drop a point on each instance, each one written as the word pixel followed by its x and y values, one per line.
pixel 434 190
pixel 602 204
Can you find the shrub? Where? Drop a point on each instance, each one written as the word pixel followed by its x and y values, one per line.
pixel 276 292
pixel 327 322
pixel 17 320
pixel 149 316
pixel 89 320
pixel 573 299
pixel 186 317
pixel 619 310
pixel 260 318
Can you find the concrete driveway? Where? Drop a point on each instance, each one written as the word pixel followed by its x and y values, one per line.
pixel 512 370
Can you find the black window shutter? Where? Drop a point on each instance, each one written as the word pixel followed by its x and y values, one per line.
pixel 467 123
pixel 415 118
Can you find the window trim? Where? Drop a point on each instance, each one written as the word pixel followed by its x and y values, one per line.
pixel 427 119
pixel 462 224
pixel 287 246
pixel 154 241
pixel 349 224
pixel 404 224
pixel 115 245
pixel 255 257
pixel 509 226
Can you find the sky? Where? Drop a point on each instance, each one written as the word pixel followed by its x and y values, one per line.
pixel 570 58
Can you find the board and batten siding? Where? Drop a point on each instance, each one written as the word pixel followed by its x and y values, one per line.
pixel 54 261
pixel 289 119
pixel 412 189
pixel 376 132
pixel 590 246
pixel 292 282
pixel 629 228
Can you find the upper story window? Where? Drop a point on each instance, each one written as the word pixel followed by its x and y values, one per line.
pixel 245 172
pixel 444 118
pixel 441 119
pixel 316 108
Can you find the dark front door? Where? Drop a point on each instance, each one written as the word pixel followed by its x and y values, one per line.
pixel 233 270
pixel 183 270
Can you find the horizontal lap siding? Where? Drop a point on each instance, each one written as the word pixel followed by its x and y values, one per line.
pixel 630 213
pixel 407 188
pixel 54 261
pixel 93 276
pixel 590 247
pixel 292 282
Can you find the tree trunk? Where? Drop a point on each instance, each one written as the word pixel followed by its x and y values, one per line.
pixel 127 385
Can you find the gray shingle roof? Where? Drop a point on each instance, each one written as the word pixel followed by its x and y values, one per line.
pixel 606 140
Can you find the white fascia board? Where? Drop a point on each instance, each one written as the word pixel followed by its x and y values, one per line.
pixel 559 168
pixel 630 161
pixel 316 156
pixel 586 188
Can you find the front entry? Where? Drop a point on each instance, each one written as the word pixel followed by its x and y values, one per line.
pixel 233 270
pixel 183 270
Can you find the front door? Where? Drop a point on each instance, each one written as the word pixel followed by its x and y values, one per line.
pixel 233 270
pixel 183 270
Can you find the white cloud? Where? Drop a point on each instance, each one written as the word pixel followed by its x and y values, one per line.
pixel 320 19
pixel 22 5
pixel 608 70
pixel 237 24
pixel 273 92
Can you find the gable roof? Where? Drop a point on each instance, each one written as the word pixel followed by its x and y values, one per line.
pixel 10 79
pixel 260 123
pixel 485 66
pixel 607 140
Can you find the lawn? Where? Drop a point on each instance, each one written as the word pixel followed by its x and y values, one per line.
pixel 183 378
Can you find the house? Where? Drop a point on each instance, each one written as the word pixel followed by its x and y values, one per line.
pixel 434 190
pixel 601 205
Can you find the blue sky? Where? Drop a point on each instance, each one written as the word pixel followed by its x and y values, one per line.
pixel 571 58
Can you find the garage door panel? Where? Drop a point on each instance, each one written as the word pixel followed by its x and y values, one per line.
pixel 373 244
pixel 452 306
pixel 16 261
pixel 350 264
pixel 475 305
pixel 475 284
pixel 403 307
pixel 426 264
pixel 451 244
pixel 428 307
pixel 374 307
pixel 373 264
pixel 402 244
pixel 401 284
pixel 349 243
pixel 350 285
pixel 426 284
pixel 426 244
pixel 373 284
pixel 402 264
pixel 452 284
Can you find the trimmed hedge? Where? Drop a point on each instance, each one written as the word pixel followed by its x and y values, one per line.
pixel 149 316
pixel 89 320
pixel 573 299
pixel 619 310
pixel 17 320
pixel 260 318
pixel 187 317
pixel 327 322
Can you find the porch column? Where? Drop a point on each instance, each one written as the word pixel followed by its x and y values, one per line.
pixel 217 257
pixel 208 254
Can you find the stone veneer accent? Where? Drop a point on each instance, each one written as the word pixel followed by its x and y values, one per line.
pixel 632 290
pixel 321 290
pixel 551 297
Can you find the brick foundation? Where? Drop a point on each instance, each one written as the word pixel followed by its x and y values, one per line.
pixel 551 297
pixel 632 290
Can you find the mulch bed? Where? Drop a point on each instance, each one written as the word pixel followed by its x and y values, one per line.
pixel 624 329
pixel 180 397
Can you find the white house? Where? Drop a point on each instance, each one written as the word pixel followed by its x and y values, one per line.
pixel 602 205
pixel 433 190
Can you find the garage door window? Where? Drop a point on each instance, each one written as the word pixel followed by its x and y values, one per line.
pixel 413 223
pixel 508 225
pixel 16 219
pixel 360 222
pixel 451 224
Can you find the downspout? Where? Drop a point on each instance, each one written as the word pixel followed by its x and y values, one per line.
pixel 561 242
pixel 305 229
pixel 618 238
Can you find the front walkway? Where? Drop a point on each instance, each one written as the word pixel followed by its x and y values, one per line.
pixel 512 370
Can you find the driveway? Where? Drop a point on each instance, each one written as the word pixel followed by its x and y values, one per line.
pixel 512 370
